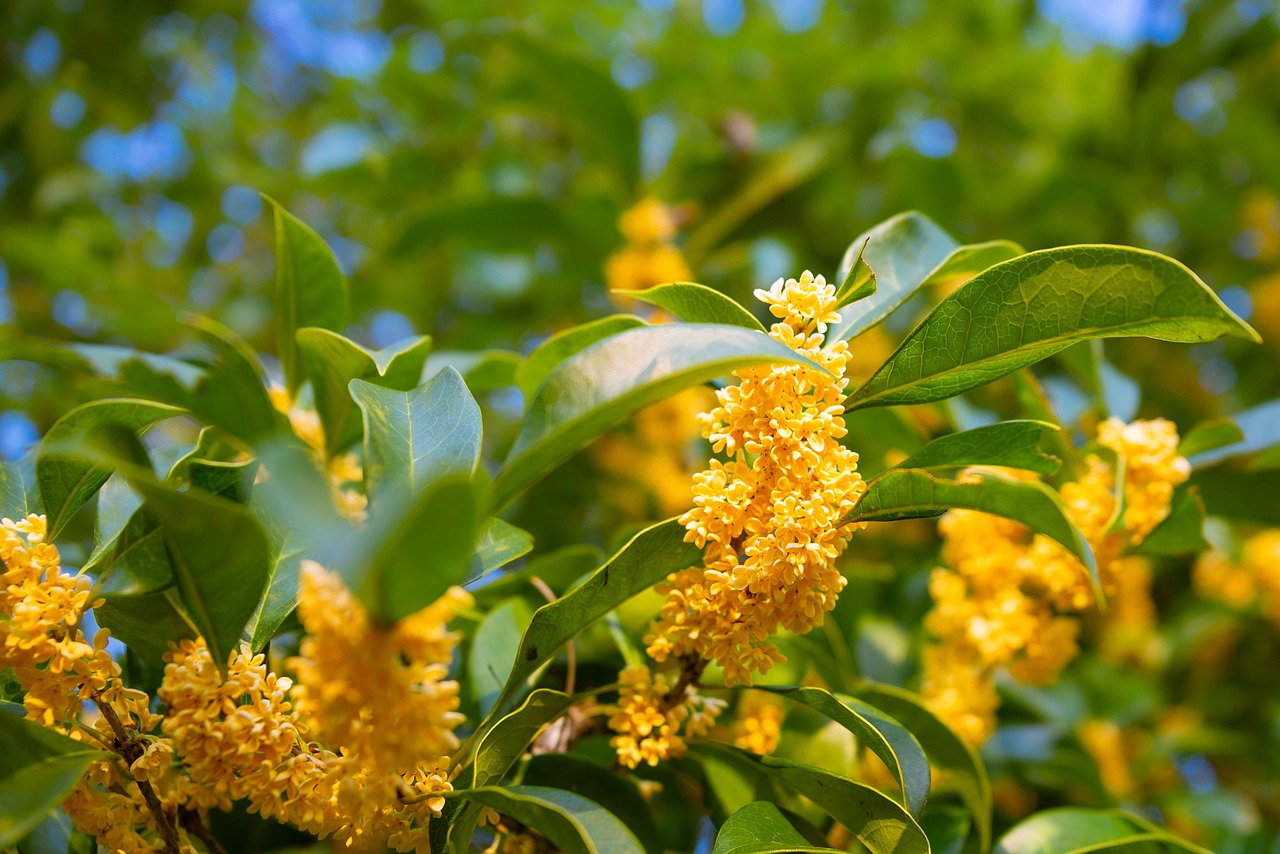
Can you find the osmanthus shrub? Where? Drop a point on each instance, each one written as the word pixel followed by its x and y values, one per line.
pixel 306 621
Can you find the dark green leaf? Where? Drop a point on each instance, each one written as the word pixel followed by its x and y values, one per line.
pixel 493 650
pixel 967 261
pixel 1209 436
pixel 1182 531
pixel 878 821
pixel 1021 311
pixel 572 823
pixel 1014 444
pixel 882 735
pixel 604 384
pixel 146 624
pixel 500 543
pixel 138 562
pixel 415 438
pixel 544 359
pixel 232 394
pixel 903 250
pixel 614 792
pixel 19 491
pixel 507 741
pixel 947 828
pixel 310 288
pixel 761 828
pixel 67 482
pixel 38 768
pixel 859 283
pixel 332 362
pixel 954 758
pixel 56 834
pixel 117 502
pixel 694 303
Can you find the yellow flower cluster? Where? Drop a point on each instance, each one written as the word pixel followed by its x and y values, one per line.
pixel 1010 599
pixel 770 517
pixel 758 727
pixel 652 719
pixel 650 257
pixel 1255 578
pixel 344 471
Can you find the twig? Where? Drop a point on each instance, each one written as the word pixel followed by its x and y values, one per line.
pixel 193 823
pixel 129 749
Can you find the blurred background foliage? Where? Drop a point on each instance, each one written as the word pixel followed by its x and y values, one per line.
pixel 469 164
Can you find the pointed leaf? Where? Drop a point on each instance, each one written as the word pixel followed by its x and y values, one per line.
pixel 483 370
pixel 493 650
pixel 616 793
pixel 504 744
pixel 969 260
pixel 500 543
pixel 332 362
pixel 1182 531
pixel 138 562
pixel 572 823
pixel 548 355
pixel 1209 436
pixel 903 250
pixel 146 624
pixel 605 383
pixel 1014 444
pixel 310 288
pixel 694 303
pixel 761 828
pixel 19 490
pixel 1075 830
pixel 1017 313
pixel 859 282
pixel 38 769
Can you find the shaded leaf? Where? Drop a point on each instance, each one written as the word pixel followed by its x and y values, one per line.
pixel 500 543
pixel 1182 531
pixel 1014 444
pixel 1261 428
pixel 572 823
pixel 483 371
pixel 1021 311
pixel 507 740
pixel 694 303
pixel 616 793
pixel 138 562
pixel 604 384
pixel 493 650
pixel 146 624
pixel 544 359
pixel 19 491
pixel 38 769
pixel 761 828
pixel 1209 436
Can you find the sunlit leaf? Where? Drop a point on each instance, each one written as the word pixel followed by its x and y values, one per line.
pixel 761 828
pixel 694 303
pixel 544 359
pixel 1014 444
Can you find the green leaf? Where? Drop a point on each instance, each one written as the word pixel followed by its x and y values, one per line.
pixel 233 393
pixel 1014 444
pixel 506 742
pixel 548 355
pixel 117 502
pixel 1209 436
pixel 572 823
pixel 67 482
pixel 332 362
pixel 882 735
pixel 616 793
pixel 1261 428
pixel 483 371
pixel 957 761
pixel 649 557
pixel 859 283
pixel 761 828
pixel 903 250
pixel 146 624
pixel 415 438
pixel 878 821
pixel 138 562
pixel 967 261
pixel 1075 830
pixel 1021 311
pixel 56 834
pixel 493 650
pixel 500 543
pixel 310 288
pixel 19 491
pixel 913 494
pixel 604 384
pixel 694 303
pixel 38 769
pixel 1182 531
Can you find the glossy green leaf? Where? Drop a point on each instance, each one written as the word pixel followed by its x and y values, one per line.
pixel 138 562
pixel 882 735
pixel 1261 428
pixel 859 282
pixel 956 761
pixel 67 482
pixel 38 769
pixel 310 288
pixel 503 745
pixel 761 828
pixel 572 823
pixel 969 260
pixel 605 383
pixel 332 362
pixel 413 439
pixel 500 543
pixel 694 303
pixel 548 355
pixel 1075 830
pixel 913 494
pixel 117 502
pixel 483 371
pixel 649 557
pixel 879 822
pixel 146 624
pixel 1182 531
pixel 1209 436
pixel 1017 313
pixel 1014 444
pixel 903 250
pixel 493 650
pixel 616 793
pixel 19 490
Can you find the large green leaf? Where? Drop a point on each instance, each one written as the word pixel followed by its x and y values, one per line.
pixel 138 562
pixel 500 543
pixel 19 491
pixel 1015 444
pixel 332 362
pixel 958 763
pixel 969 260
pixel 310 288
pixel 493 650
pixel 696 303
pixel 1017 313
pixel 914 494
pixel 413 439
pixel 878 821
pixel 548 355
pixel 615 792
pixel 1076 830
pixel 66 481
pixel 38 769
pixel 572 823
pixel 232 394
pixel 761 828
pixel 902 251
pixel 117 502
pixel 605 383
pixel 146 624
pixel 649 557
pixel 882 735
pixel 506 742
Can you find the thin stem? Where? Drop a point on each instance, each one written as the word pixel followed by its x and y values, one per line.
pixel 129 749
